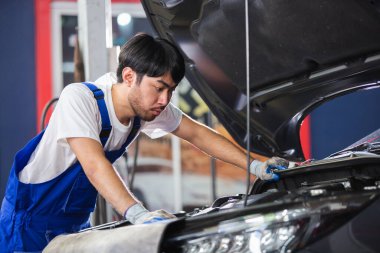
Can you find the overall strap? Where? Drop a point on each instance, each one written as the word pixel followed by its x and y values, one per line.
pixel 135 129
pixel 114 155
pixel 106 124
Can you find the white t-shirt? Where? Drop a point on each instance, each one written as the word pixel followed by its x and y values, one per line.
pixel 77 115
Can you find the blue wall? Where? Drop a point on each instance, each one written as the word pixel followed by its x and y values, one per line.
pixel 17 72
pixel 343 121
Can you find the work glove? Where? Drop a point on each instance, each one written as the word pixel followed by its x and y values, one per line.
pixel 264 170
pixel 138 214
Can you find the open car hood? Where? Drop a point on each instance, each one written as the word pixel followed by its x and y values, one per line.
pixel 301 54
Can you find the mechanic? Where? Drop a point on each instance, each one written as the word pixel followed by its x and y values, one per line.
pixel 55 178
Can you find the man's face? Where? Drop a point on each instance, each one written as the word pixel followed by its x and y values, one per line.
pixel 149 98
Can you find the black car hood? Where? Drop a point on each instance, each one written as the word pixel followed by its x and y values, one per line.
pixel 301 54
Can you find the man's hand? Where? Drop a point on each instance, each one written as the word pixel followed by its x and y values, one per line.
pixel 264 170
pixel 138 214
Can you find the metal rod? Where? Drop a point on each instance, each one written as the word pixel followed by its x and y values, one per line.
pixel 176 163
pixel 212 161
pixel 248 98
pixel 131 175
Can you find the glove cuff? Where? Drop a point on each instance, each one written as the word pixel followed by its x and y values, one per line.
pixel 135 212
pixel 254 167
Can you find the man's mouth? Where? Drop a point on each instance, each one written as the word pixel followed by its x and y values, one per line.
pixel 157 111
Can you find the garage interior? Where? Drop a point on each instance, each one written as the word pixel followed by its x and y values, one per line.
pixel 40 55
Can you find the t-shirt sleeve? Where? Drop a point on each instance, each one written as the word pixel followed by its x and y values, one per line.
pixel 76 114
pixel 168 121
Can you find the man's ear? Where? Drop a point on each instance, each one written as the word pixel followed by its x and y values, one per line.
pixel 128 76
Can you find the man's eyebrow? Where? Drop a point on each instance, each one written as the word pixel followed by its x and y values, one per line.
pixel 166 84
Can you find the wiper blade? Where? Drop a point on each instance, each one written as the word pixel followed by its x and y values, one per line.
pixel 366 147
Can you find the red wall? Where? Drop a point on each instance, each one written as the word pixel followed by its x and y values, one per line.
pixel 43 56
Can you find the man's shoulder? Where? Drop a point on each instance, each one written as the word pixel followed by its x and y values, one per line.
pixel 77 93
pixel 76 89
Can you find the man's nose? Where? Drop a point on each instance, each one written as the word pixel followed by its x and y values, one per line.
pixel 164 98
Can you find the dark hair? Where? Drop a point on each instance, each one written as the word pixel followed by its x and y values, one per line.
pixel 152 57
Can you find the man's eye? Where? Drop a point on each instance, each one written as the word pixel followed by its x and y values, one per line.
pixel 158 88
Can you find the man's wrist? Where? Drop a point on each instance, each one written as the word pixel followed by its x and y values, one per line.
pixel 134 212
pixel 126 210
pixel 254 167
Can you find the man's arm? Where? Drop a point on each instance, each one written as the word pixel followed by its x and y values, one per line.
pixel 216 145
pixel 210 142
pixel 101 173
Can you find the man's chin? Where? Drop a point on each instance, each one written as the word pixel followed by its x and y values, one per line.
pixel 148 117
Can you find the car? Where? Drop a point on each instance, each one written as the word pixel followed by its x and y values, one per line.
pixel 283 59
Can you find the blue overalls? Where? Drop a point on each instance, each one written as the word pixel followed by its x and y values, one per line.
pixel 33 214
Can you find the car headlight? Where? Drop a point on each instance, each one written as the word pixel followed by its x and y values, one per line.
pixel 252 233
pixel 278 231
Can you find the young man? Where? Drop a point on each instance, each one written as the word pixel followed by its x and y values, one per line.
pixel 55 178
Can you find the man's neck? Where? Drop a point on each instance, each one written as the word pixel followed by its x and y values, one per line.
pixel 122 109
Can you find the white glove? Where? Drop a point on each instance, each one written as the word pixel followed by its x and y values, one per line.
pixel 138 214
pixel 264 170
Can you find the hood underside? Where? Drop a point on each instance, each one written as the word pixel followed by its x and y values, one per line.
pixel 301 54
